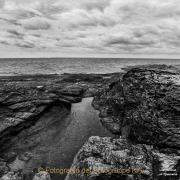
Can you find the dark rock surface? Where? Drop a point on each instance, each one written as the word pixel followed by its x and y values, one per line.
pixel 144 107
pixel 103 155
pixel 23 100
pixel 3 167
pixel 36 122
pixel 35 113
pixel 99 154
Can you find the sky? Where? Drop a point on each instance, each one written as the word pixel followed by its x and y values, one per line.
pixel 90 28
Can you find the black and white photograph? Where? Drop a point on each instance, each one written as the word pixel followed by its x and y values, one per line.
pixel 89 89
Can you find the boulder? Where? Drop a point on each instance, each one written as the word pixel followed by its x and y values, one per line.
pixel 107 158
pixel 43 175
pixel 104 157
pixel 13 176
pixel 143 107
pixel 3 167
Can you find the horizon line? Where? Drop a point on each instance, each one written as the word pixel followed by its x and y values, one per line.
pixel 86 58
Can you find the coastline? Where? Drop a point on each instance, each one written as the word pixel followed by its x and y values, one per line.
pixel 30 104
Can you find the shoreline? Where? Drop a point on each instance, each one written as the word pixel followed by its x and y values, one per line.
pixel 28 103
pixel 122 70
pixel 56 75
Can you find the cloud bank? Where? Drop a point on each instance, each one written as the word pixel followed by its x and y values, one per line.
pixel 96 26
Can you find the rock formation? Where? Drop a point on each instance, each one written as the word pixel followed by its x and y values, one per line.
pixel 107 157
pixel 28 105
pixel 143 109
pixel 145 100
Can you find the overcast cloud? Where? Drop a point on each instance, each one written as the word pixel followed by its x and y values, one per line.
pixel 112 27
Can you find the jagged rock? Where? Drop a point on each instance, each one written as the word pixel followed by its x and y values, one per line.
pixel 42 176
pixel 19 109
pixel 21 105
pixel 30 105
pixel 70 99
pixel 12 176
pixel 106 157
pixel 3 167
pixel 144 107
pixel 110 104
pixel 99 154
pixel 71 90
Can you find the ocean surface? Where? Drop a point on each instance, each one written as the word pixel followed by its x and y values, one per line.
pixel 14 67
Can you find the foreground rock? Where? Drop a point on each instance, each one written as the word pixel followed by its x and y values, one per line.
pixel 144 107
pixel 3 167
pixel 106 158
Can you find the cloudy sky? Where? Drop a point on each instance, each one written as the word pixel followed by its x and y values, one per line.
pixel 90 28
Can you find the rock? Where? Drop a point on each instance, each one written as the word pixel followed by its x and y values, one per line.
pixel 64 101
pixel 144 107
pixel 34 110
pixel 12 176
pixel 19 109
pixel 71 90
pixel 106 157
pixel 42 176
pixel 41 88
pixel 21 105
pixel 24 157
pixel 70 99
pixel 83 77
pixel 3 168
pixel 110 104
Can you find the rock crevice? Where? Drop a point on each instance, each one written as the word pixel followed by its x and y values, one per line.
pixel 143 109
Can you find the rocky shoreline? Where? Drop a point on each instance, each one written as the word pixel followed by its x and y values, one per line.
pixel 140 107
pixel 29 104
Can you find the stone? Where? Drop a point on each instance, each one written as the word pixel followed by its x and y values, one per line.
pixel 144 107
pixel 3 167
pixel 42 176
pixel 29 105
pixel 107 158
pixel 104 156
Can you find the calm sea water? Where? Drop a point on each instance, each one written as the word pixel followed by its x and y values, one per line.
pixel 72 65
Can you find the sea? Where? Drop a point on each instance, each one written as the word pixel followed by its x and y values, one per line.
pixel 44 66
